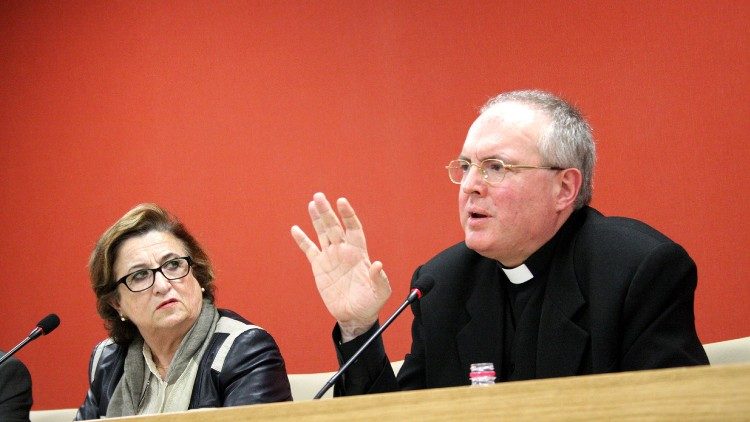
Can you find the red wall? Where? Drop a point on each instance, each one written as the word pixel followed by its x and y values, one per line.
pixel 231 114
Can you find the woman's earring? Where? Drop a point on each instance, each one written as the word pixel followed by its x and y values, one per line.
pixel 122 317
pixel 203 290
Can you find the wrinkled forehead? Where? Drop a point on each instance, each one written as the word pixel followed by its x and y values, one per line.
pixel 509 127
pixel 152 245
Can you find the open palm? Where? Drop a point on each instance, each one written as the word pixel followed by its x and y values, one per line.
pixel 352 288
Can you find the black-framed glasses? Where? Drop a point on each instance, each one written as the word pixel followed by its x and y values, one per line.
pixel 493 170
pixel 174 269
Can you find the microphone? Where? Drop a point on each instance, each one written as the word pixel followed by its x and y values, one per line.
pixel 43 327
pixel 422 286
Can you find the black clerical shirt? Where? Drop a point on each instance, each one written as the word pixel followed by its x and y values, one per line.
pixel 521 312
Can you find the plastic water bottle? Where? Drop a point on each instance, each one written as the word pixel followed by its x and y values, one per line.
pixel 481 374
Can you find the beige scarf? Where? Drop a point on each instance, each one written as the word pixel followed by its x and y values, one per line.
pixel 130 391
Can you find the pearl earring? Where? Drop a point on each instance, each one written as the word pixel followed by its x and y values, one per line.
pixel 122 318
pixel 203 290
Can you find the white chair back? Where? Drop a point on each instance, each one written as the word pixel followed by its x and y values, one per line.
pixel 730 351
pixel 306 386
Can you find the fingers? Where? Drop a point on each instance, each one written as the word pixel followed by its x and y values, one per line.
pixel 305 244
pixel 348 216
pixel 355 235
pixel 328 227
pixel 318 225
pixel 328 223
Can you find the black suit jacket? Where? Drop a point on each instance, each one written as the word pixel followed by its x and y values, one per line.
pixel 15 390
pixel 619 297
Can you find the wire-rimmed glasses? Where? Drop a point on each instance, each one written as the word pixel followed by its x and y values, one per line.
pixel 493 170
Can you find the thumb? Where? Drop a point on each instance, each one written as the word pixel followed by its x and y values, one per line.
pixel 379 280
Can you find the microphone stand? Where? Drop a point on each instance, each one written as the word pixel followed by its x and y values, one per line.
pixel 45 326
pixel 412 296
pixel 15 349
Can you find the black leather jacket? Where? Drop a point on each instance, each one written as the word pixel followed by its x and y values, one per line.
pixel 242 365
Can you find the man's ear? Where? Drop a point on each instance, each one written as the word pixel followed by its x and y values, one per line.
pixel 568 186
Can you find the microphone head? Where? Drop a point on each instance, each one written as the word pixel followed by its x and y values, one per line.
pixel 424 284
pixel 48 323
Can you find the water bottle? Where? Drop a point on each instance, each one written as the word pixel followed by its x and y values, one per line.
pixel 481 374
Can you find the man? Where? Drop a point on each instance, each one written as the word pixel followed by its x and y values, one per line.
pixel 15 390
pixel 542 286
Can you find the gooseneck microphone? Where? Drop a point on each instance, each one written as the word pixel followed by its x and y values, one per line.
pixel 422 286
pixel 43 327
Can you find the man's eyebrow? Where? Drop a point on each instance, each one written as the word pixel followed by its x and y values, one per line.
pixel 490 157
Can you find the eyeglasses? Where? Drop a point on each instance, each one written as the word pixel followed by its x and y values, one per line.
pixel 141 280
pixel 492 170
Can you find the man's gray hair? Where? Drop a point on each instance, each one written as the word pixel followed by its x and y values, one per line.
pixel 567 142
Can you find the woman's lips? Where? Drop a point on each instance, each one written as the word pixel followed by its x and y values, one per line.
pixel 166 303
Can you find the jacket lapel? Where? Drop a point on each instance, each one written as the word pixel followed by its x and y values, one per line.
pixel 562 342
pixel 481 339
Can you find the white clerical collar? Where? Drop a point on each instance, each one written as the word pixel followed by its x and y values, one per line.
pixel 518 275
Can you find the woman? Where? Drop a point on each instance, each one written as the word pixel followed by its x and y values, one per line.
pixel 170 348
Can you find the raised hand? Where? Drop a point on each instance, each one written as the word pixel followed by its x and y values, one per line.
pixel 352 288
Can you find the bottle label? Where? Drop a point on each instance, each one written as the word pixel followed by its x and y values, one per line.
pixel 482 374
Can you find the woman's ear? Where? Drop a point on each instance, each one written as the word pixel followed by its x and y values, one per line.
pixel 568 184
pixel 115 303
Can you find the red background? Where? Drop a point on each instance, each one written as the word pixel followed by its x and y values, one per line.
pixel 231 114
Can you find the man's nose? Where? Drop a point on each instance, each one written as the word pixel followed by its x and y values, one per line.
pixel 474 180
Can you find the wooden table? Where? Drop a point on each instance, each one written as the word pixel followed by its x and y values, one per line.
pixel 696 393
